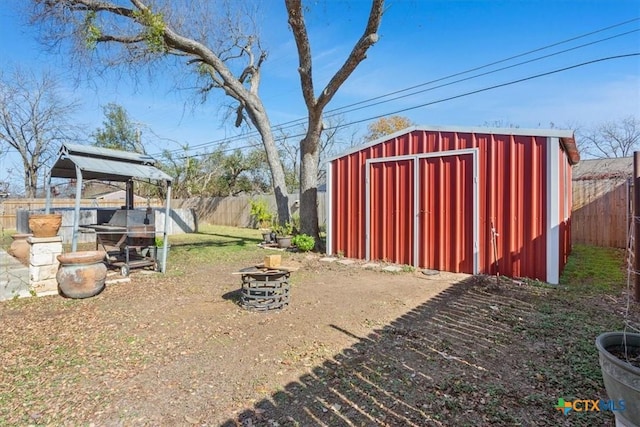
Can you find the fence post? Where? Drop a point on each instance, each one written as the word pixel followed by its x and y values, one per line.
pixel 636 225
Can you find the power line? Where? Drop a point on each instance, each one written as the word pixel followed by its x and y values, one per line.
pixel 482 74
pixel 501 61
pixel 509 83
pixel 493 87
pixel 344 109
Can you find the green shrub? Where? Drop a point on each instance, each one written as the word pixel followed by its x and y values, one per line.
pixel 304 242
pixel 260 213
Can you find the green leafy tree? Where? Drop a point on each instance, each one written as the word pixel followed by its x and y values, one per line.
pixel 218 173
pixel 118 131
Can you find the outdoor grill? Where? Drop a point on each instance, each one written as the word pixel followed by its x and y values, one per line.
pixel 264 289
pixel 128 238
pixel 129 235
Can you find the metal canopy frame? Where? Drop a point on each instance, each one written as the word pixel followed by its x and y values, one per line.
pixel 83 162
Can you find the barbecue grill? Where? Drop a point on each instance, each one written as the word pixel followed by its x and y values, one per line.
pixel 129 239
pixel 129 235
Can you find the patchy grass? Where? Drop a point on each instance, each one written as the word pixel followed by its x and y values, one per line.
pixel 214 244
pixel 593 269
pixel 165 350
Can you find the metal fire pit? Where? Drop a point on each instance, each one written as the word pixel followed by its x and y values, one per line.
pixel 264 290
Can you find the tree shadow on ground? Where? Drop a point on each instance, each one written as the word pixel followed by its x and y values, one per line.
pixel 447 362
pixel 228 241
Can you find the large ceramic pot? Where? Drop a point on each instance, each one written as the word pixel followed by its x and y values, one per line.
pixel 20 247
pixel 81 274
pixel 284 241
pixel 45 225
pixel 621 378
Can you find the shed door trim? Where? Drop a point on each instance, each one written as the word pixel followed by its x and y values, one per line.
pixel 553 211
pixel 416 192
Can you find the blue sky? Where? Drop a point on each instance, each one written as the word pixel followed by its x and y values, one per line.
pixel 420 41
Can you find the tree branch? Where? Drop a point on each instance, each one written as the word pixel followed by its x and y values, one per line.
pixel 299 29
pixel 120 39
pixel 357 55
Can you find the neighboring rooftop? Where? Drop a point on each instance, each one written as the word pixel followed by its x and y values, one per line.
pixel 621 167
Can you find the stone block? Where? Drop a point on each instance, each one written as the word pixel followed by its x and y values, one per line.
pixel 45 286
pixel 371 265
pixel 44 250
pixel 44 272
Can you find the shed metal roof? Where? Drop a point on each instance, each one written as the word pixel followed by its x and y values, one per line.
pixel 105 164
pixel 566 137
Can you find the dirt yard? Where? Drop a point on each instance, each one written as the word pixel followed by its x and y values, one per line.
pixel 355 347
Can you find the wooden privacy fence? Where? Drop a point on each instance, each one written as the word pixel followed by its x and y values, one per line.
pixel 10 207
pixel 601 212
pixel 235 211
pixel 232 211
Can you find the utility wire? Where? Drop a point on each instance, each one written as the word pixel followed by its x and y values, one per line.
pixel 473 92
pixel 339 110
pixel 479 75
pixel 512 82
pixel 499 62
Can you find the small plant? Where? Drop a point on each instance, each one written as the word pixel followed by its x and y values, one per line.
pixel 304 242
pixel 260 213
pixel 295 222
pixel 282 230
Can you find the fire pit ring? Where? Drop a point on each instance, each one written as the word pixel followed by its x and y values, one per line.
pixel 264 290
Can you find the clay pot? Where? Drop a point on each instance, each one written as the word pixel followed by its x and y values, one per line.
pixel 20 247
pixel 81 274
pixel 45 225
pixel 284 241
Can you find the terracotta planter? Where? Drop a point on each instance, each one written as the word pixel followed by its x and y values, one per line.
pixel 45 225
pixel 20 248
pixel 81 274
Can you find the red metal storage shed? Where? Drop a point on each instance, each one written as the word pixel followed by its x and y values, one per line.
pixel 471 200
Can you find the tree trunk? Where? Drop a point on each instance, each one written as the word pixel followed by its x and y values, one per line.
pixel 30 179
pixel 310 155
pixel 260 120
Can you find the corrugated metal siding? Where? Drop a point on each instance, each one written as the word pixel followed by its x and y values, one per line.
pixel 512 196
pixel 445 206
pixel 391 209
pixel 514 190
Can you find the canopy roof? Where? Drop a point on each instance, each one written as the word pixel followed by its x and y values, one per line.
pixel 105 164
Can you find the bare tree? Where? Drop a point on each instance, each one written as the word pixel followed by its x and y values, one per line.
pixel 34 120
pixel 612 139
pixel 310 144
pixel 336 135
pixel 217 43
